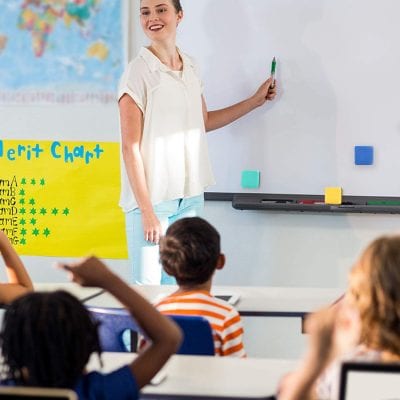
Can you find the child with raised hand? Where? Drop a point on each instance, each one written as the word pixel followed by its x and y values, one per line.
pixel 190 252
pixel 47 339
pixel 365 326
pixel 19 281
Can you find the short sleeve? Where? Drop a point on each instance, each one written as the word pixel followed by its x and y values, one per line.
pixel 132 83
pixel 232 336
pixel 119 384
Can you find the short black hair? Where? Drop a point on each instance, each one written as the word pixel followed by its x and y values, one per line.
pixel 47 339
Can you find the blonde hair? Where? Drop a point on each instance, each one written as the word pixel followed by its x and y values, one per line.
pixel 375 286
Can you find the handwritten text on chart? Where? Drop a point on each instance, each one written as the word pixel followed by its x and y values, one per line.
pixel 58 150
pixel 8 209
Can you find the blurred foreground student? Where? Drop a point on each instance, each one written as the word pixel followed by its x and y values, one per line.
pixel 365 326
pixel 190 252
pixel 19 282
pixel 47 339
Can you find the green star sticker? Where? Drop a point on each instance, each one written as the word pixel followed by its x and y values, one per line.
pixel 22 192
pixel 43 211
pixel 22 210
pixel 54 211
pixel 23 231
pixel 23 181
pixel 46 232
pixel 35 232
pixel 42 182
pixel 33 221
pixel 22 221
pixel 33 211
pixel 22 201
pixel 33 181
pixel 32 202
pixel 22 241
pixel 66 211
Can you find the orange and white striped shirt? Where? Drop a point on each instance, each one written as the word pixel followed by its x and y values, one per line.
pixel 225 321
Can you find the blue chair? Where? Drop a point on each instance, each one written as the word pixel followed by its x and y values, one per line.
pixel 113 322
pixel 198 338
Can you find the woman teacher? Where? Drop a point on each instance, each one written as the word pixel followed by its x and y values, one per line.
pixel 164 118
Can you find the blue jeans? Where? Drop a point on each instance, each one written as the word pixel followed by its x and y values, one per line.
pixel 143 255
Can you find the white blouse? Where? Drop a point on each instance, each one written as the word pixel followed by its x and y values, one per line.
pixel 173 146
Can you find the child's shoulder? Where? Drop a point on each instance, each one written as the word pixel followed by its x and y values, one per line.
pixel 94 382
pixel 197 296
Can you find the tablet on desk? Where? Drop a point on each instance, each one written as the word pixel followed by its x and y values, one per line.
pixel 369 381
pixel 230 298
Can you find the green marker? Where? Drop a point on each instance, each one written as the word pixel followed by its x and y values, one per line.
pixel 273 68
pixel 383 203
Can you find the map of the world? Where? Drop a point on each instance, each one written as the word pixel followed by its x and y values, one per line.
pixel 60 51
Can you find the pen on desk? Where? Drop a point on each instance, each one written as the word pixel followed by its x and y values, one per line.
pixel 273 69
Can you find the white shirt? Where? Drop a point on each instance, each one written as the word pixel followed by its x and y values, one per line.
pixel 173 146
pixel 328 384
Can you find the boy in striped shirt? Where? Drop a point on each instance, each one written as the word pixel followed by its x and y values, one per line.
pixel 190 251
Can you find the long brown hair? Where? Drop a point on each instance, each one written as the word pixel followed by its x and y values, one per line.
pixel 375 286
pixel 177 5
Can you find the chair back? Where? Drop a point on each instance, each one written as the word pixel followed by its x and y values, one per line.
pixel 198 337
pixel 113 322
pixel 35 393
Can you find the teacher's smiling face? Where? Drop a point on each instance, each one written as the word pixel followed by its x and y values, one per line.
pixel 159 18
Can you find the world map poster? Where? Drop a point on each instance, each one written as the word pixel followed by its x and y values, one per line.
pixel 60 51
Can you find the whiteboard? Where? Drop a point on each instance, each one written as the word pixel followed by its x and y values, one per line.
pixel 338 73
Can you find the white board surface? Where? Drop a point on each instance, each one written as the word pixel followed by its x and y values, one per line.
pixel 339 86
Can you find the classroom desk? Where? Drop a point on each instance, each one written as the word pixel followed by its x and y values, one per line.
pixel 82 293
pixel 201 377
pixel 254 301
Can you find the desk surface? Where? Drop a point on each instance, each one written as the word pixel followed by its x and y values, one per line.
pixel 200 377
pixel 253 301
pixel 82 293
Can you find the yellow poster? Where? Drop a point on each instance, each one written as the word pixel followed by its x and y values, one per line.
pixel 60 198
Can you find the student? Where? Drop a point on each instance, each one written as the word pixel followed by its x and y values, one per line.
pixel 365 326
pixel 164 118
pixel 19 281
pixel 190 252
pixel 47 339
